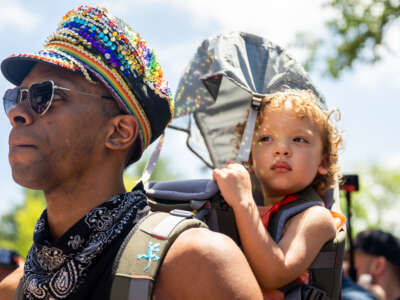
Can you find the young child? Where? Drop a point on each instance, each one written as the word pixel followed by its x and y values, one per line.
pixel 294 146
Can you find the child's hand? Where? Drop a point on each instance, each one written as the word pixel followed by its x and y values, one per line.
pixel 234 184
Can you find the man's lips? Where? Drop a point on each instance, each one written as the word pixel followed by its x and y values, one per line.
pixel 18 144
pixel 22 146
pixel 18 147
pixel 13 143
pixel 281 166
pixel 20 140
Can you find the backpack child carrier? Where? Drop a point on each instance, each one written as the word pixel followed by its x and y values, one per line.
pixel 224 85
pixel 180 206
pixel 203 199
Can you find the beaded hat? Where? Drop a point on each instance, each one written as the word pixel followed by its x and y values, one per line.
pixel 92 41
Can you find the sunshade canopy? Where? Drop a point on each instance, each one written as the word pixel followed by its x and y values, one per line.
pixel 220 82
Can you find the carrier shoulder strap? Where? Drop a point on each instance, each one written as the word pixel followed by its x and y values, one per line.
pixel 325 273
pixel 326 269
pixel 143 250
pixel 19 293
pixel 327 266
pixel 308 198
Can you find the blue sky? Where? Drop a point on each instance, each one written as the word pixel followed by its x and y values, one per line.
pixel 367 96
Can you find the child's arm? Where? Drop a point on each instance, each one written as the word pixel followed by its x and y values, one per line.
pixel 274 265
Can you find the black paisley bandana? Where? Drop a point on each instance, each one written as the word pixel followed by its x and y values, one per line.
pixel 55 270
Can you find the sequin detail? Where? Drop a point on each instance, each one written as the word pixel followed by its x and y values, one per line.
pixel 89 38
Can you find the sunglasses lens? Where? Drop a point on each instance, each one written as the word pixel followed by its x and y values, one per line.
pixel 41 95
pixel 10 99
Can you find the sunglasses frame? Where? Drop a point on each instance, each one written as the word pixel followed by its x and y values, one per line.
pixel 28 92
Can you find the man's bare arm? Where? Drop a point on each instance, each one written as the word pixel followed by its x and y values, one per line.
pixel 202 264
pixel 9 285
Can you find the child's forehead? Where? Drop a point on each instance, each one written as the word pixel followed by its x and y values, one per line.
pixel 294 107
pixel 286 118
pixel 291 102
pixel 289 110
pixel 288 114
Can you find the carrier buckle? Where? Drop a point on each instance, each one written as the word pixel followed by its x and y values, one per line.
pixel 256 102
pixel 316 294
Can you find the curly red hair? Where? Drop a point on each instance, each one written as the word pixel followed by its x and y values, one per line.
pixel 304 104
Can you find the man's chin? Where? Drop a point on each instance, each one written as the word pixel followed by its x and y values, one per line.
pixel 27 183
pixel 26 178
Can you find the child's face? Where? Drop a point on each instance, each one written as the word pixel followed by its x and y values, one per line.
pixel 286 152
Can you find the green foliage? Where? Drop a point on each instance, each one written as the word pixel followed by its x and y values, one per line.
pixel 16 229
pixel 378 200
pixel 358 33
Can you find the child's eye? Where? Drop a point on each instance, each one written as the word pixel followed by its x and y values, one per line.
pixel 300 140
pixel 265 139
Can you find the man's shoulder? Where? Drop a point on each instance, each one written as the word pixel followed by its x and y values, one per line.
pixel 9 284
pixel 351 290
pixel 202 264
pixel 201 243
pixel 198 239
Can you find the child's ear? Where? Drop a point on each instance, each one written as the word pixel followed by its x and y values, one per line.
pixel 322 170
pixel 323 167
pixel 249 168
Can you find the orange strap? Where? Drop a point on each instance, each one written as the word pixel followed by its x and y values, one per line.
pixel 340 219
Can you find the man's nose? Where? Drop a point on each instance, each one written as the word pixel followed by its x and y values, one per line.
pixel 21 114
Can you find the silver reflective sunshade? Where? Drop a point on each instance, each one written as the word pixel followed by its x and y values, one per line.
pixel 221 87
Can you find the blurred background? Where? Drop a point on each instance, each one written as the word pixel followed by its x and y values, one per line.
pixel 351 48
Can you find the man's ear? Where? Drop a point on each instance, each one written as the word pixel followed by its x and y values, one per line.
pixel 378 265
pixel 123 132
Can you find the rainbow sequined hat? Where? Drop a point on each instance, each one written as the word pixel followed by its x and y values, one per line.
pixel 91 40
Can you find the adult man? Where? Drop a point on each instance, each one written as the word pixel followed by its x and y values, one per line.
pixel 95 99
pixel 377 259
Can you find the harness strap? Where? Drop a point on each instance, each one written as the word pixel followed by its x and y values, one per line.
pixel 324 260
pixel 247 137
pixel 19 293
pixel 142 253
pixel 290 212
pixel 325 270
pixel 294 294
pixel 297 290
pixel 326 264
pixel 152 162
pixel 308 198
pixel 313 293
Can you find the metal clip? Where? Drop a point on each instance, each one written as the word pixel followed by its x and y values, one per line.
pixel 182 213
pixel 256 103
